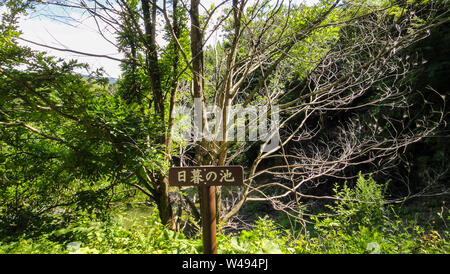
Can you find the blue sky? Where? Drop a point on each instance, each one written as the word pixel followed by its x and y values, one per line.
pixel 51 26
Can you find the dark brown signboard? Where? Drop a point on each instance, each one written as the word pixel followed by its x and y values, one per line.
pixel 206 176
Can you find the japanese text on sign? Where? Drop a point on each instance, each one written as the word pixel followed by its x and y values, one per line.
pixel 206 175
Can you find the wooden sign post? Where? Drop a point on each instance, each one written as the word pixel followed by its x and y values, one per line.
pixel 206 178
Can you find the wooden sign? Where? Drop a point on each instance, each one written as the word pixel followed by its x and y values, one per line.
pixel 206 176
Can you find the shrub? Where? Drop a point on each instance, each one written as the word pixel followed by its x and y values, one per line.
pixel 126 232
pixel 361 222
pixel 362 205
pixel 265 238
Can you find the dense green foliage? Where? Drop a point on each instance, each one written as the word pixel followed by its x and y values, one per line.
pixel 349 227
pixel 66 141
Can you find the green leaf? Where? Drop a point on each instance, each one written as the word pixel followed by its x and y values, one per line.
pixel 269 247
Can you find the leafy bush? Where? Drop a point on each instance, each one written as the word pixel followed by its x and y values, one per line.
pixel 361 205
pixel 124 233
pixel 263 239
pixel 361 222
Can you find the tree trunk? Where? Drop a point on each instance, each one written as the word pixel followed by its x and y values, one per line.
pixel 164 204
pixel 160 181
pixel 152 57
